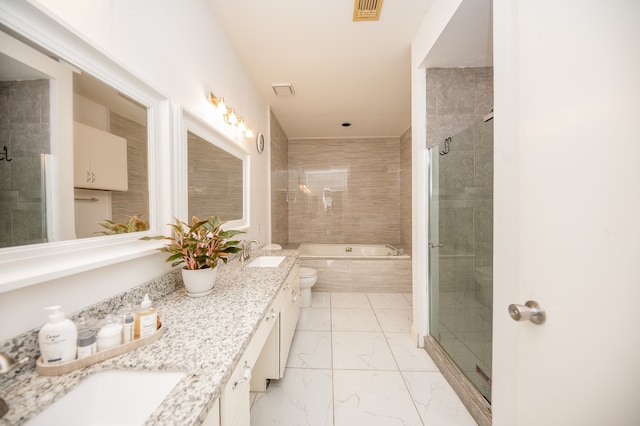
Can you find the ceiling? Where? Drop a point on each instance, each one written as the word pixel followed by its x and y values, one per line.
pixel 342 71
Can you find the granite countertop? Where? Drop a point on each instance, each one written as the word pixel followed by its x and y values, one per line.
pixel 205 338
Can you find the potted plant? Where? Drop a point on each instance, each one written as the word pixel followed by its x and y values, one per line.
pixel 135 224
pixel 200 247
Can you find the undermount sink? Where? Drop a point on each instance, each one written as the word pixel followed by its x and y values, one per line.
pixel 111 397
pixel 266 262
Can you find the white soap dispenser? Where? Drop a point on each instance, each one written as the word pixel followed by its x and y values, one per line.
pixel 58 338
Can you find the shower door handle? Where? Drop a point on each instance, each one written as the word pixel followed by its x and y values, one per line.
pixel 530 311
pixel 436 245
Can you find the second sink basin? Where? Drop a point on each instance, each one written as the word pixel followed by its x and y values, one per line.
pixel 266 262
pixel 113 397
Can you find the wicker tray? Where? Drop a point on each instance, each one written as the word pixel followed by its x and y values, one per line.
pixel 67 367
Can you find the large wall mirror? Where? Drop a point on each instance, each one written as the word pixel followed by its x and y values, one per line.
pixel 81 143
pixel 216 174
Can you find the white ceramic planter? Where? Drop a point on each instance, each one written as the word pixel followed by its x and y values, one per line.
pixel 199 282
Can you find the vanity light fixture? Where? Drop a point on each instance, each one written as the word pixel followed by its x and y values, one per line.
pixel 229 114
pixel 231 117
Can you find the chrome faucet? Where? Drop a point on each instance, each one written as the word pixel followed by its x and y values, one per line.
pixel 245 247
pixel 6 365
pixel 396 252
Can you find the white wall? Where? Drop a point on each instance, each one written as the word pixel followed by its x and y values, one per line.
pixel 434 23
pixel 180 50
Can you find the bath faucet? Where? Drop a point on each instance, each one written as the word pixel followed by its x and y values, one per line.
pixel 7 364
pixel 245 247
pixel 396 252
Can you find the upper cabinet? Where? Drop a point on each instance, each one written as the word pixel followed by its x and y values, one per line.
pixel 99 159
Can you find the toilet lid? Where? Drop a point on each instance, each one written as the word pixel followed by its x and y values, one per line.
pixel 306 272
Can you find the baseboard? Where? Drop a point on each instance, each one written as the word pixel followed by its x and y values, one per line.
pixel 471 398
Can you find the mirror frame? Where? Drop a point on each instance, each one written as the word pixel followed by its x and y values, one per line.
pixel 188 122
pixel 23 266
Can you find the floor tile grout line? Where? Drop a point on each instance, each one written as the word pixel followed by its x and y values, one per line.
pixel 395 360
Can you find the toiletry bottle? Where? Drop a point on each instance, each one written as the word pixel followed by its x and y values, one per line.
pixel 146 322
pixel 128 317
pixel 58 338
pixel 110 333
pixel 87 343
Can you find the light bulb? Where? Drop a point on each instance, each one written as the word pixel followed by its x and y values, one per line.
pixel 232 117
pixel 249 133
pixel 222 107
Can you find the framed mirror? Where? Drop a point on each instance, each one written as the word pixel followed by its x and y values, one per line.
pixel 215 172
pixel 82 141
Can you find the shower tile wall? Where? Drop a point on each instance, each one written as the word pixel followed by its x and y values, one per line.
pixel 456 99
pixel 136 199
pixel 345 191
pixel 279 149
pixel 24 131
pixel 405 191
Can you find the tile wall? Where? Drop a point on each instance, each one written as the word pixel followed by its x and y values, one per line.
pixel 456 99
pixel 136 199
pixel 345 190
pixel 405 191
pixel 215 181
pixel 24 136
pixel 279 151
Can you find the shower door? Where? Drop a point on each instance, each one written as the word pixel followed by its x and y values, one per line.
pixel 461 250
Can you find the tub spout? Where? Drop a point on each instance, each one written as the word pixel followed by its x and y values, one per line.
pixel 396 252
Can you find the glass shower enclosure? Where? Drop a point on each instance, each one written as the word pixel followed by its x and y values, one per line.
pixel 461 250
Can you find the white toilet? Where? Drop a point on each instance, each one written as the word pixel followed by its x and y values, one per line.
pixel 308 278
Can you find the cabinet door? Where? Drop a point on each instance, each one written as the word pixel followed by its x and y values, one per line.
pixel 289 320
pixel 81 156
pixel 234 402
pixel 109 163
pixel 99 159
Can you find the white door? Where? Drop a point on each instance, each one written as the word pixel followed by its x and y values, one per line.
pixel 567 211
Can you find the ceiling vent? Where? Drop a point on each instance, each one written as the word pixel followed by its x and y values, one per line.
pixel 283 89
pixel 367 10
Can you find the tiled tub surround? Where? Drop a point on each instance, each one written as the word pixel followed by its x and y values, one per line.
pixel 205 337
pixel 341 271
pixel 344 190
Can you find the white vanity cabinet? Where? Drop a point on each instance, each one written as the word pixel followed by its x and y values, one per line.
pixel 234 402
pixel 273 358
pixel 213 417
pixel 99 159
pixel 289 315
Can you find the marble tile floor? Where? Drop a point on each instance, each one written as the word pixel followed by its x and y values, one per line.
pixel 353 363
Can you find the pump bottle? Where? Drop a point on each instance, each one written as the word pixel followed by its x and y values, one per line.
pixel 146 322
pixel 58 338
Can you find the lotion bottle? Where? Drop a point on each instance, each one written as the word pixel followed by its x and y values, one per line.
pixel 146 322
pixel 58 338
pixel 128 318
pixel 110 334
pixel 87 345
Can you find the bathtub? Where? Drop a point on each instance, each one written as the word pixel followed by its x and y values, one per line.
pixel 366 268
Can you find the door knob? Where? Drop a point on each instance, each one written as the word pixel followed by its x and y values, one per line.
pixel 530 311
